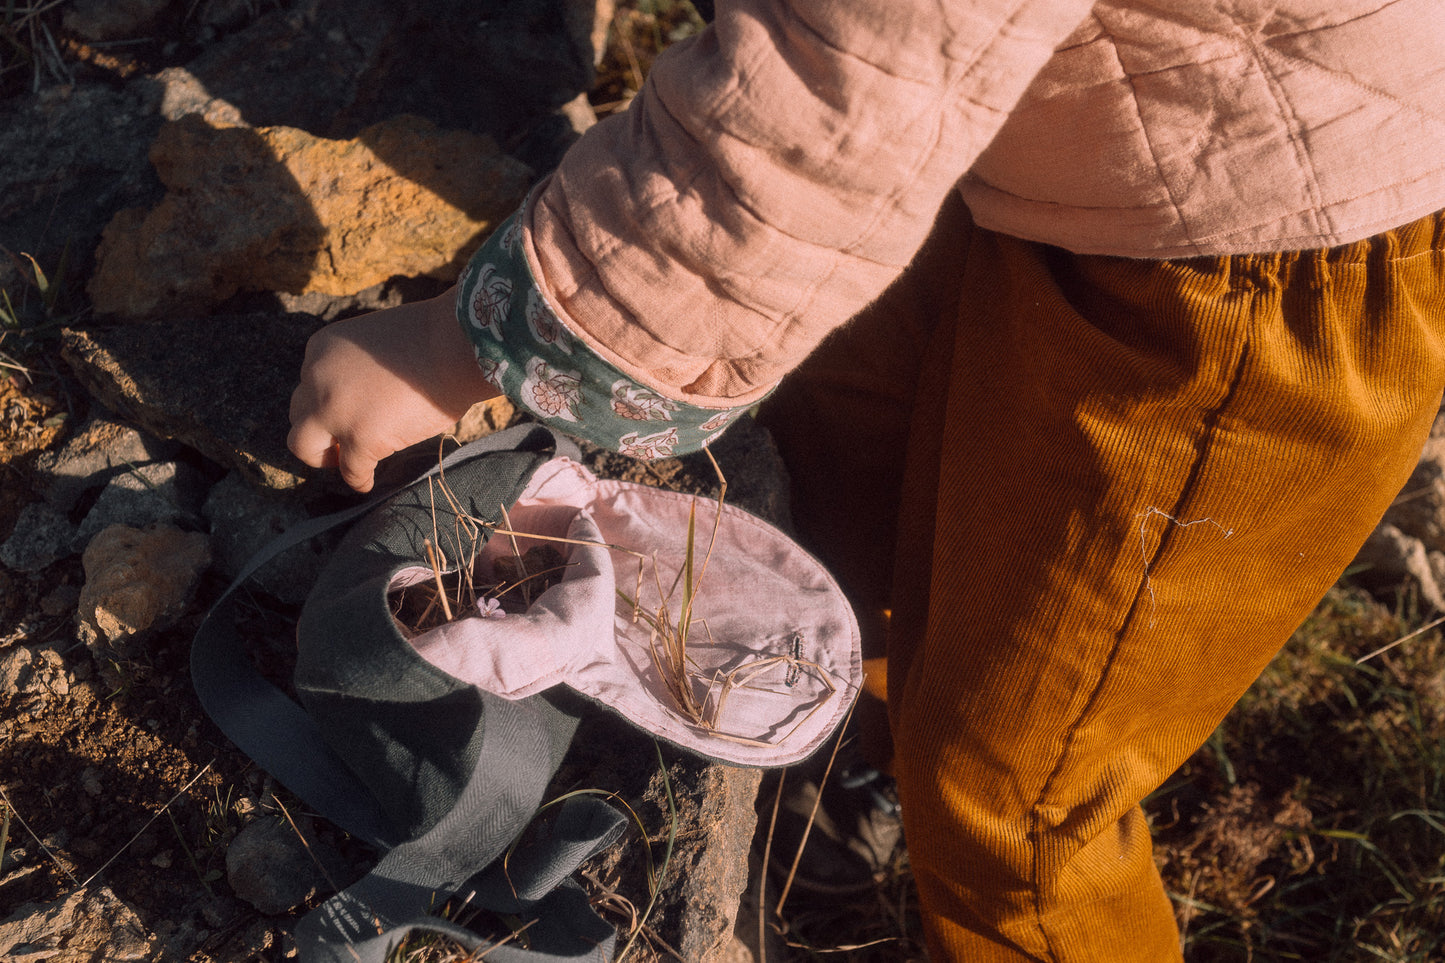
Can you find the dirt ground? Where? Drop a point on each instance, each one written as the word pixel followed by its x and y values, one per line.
pixel 89 754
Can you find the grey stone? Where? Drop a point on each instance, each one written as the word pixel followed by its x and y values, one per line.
pixel 269 866
pixel 222 386
pixel 244 520
pixel 700 897
pixel 42 536
pixel 74 156
pixel 334 67
pixel 113 19
pixel 329 307
pixel 87 924
pixel 1390 559
pixel 309 68
pixel 712 819
pixel 1419 509
pixel 101 450
pixel 183 94
pixel 153 494
pixel 17 669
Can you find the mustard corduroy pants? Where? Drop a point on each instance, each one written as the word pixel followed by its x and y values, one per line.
pixel 1085 500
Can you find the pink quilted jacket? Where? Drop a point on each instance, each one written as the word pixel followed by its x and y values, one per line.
pixel 781 169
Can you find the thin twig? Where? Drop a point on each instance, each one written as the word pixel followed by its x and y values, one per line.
pixel 306 843
pixel 436 571
pixel 817 801
pixel 1404 638
pixel 656 886
pixel 10 808
pixel 763 872
pixel 179 793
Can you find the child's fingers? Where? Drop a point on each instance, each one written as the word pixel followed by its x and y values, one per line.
pixel 312 444
pixel 319 449
pixel 358 469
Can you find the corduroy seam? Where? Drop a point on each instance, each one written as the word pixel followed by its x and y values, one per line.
pixel 1202 447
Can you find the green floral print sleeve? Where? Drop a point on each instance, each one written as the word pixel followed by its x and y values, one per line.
pixel 527 353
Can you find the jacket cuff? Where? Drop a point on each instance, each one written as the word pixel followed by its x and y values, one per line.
pixel 528 354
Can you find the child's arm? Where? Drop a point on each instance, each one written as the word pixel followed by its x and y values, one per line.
pixel 774 176
pixel 373 385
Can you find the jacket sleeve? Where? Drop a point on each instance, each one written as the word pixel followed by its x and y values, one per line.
pixel 775 174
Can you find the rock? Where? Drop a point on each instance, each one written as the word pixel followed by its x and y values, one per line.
pixel 278 209
pixel 156 493
pixel 329 308
pixel 224 14
pixel 1419 509
pixel 271 868
pixel 699 896
pixel 245 520
pixel 334 67
pixel 90 781
pixel 74 156
pixel 101 450
pixel 756 477
pixel 529 39
pixel 312 68
pixel 42 536
pixel 183 94
pixel 710 870
pixel 17 669
pixel 1390 559
pixel 484 418
pixel 138 581
pixel 88 924
pixel 113 19
pixel 59 600
pixel 221 387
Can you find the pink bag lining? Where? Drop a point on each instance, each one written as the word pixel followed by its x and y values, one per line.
pixel 767 616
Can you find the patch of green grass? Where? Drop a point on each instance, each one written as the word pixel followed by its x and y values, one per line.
pixel 29 53
pixel 32 315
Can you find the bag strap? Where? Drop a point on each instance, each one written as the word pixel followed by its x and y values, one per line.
pixel 363 923
pixel 267 725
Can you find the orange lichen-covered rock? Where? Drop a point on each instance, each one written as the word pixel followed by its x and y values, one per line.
pixel 278 209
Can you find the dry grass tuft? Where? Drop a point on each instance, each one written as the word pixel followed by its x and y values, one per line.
pixel 640 30
pixel 30 55
pixel 1312 825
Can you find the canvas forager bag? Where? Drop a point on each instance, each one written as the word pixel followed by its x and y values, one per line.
pixel 438 749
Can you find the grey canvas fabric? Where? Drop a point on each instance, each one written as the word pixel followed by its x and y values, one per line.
pixel 391 748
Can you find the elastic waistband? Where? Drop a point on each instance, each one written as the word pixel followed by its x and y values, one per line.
pixel 1417 237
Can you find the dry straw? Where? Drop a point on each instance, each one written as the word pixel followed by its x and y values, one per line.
pixel 698 697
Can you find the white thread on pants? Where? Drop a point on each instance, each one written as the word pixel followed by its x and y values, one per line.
pixel 1144 517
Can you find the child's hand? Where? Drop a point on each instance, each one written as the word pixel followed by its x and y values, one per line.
pixel 373 385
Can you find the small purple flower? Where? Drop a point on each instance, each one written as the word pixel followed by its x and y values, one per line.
pixel 490 609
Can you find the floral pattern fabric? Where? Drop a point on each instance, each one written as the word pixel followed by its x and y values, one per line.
pixel 526 352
